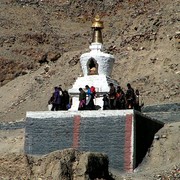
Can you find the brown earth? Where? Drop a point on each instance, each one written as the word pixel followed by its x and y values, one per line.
pixel 143 36
pixel 162 162
pixel 40 46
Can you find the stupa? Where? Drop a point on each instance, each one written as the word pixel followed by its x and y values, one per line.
pixel 97 68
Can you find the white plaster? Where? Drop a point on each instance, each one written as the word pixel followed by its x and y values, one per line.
pixel 96 46
pixel 64 114
pixel 133 158
pixel 101 84
pixel 104 64
pixel 75 103
pixel 105 61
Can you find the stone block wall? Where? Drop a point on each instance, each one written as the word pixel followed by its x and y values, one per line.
pixel 121 134
pixel 109 132
pixel 167 113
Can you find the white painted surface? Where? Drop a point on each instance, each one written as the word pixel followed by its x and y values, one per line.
pixel 61 114
pixel 101 84
pixel 100 81
pixel 132 148
pixel 75 103
pixel 105 61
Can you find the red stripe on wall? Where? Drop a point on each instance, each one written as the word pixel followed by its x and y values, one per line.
pixel 77 121
pixel 127 149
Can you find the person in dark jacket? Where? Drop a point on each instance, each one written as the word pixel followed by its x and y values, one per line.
pixel 105 102
pixel 82 99
pixel 56 100
pixel 65 100
pixel 120 99
pixel 138 101
pixel 130 97
pixel 112 95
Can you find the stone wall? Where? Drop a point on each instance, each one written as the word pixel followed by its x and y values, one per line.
pixel 116 133
pixel 95 131
pixel 167 113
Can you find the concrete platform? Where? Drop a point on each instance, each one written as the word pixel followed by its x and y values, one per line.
pixel 124 135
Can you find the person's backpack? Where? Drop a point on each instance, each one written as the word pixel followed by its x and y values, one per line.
pixel 93 90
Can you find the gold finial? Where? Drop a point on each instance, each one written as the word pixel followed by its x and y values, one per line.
pixel 97 25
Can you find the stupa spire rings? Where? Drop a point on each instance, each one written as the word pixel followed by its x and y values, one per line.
pixel 97 26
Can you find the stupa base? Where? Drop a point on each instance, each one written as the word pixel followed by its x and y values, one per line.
pixel 101 84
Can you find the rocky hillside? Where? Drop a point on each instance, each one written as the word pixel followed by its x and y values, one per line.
pixel 66 164
pixel 41 42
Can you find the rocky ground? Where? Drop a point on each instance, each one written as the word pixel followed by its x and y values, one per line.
pixel 40 45
pixel 162 162
pixel 142 35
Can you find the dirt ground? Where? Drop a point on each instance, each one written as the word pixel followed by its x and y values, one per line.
pixel 142 35
pixel 161 162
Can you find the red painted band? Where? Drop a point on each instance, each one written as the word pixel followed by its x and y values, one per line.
pixel 77 121
pixel 127 148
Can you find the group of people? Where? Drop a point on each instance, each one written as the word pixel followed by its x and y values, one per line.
pixel 115 99
pixel 60 100
pixel 89 103
pixel 118 99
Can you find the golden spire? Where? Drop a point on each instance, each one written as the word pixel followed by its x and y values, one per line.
pixel 97 26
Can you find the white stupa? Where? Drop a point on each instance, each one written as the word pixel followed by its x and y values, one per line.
pixel 96 66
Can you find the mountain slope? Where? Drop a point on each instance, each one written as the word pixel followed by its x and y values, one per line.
pixel 142 35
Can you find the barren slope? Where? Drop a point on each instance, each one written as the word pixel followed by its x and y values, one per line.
pixel 142 35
